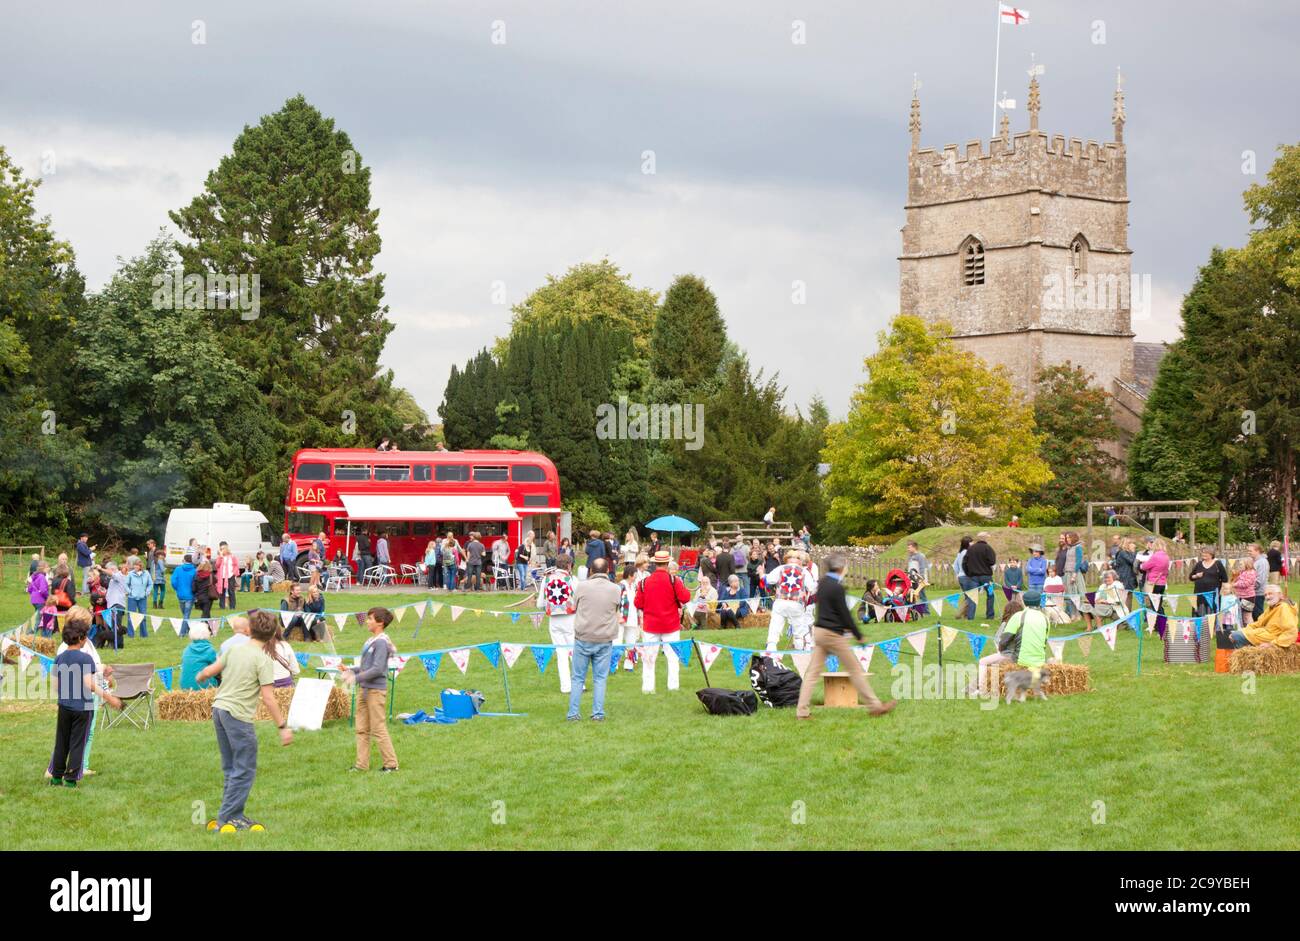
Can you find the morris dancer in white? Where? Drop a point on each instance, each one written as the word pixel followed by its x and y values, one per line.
pixel 792 586
pixel 555 597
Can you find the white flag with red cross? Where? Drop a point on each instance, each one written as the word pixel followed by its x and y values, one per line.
pixel 1013 15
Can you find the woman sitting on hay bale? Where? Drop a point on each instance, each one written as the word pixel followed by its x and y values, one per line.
pixel 1275 627
pixel 1107 604
pixel 197 657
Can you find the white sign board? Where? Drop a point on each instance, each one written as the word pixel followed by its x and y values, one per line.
pixel 307 710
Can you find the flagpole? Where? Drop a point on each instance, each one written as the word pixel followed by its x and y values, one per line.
pixel 997 55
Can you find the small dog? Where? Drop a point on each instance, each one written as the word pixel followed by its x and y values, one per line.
pixel 1025 681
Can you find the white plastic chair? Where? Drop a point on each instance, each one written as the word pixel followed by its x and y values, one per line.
pixel 379 575
pixel 503 577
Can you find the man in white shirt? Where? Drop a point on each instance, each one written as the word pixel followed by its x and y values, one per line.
pixel 381 550
pixel 792 586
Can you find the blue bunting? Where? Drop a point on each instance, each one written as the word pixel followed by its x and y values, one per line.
pixel 302 658
pixel 683 650
pixel 890 650
pixel 832 663
pixel 977 642
pixel 514 617
pixel 616 656
pixel 46 664
pixel 431 662
pixel 542 655
pixel 739 660
pixel 492 652
pixel 166 676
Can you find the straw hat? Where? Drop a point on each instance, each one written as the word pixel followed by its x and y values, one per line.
pixel 662 557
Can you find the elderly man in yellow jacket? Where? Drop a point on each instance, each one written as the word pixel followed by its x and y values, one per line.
pixel 1276 627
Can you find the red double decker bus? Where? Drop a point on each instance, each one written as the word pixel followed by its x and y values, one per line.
pixel 412 496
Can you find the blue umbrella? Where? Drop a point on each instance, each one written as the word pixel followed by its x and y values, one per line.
pixel 671 524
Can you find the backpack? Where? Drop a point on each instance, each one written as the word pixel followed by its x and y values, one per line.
pixel 1082 565
pixel 60 595
pixel 776 685
pixel 728 702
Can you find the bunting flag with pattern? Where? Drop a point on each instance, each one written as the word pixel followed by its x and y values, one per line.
pixel 303 659
pixel 832 663
pixel 492 652
pixel 890 649
pixel 511 653
pixel 536 617
pixel 681 650
pixel 739 661
pixel 331 662
pixel 977 642
pixel 542 656
pixel 165 675
pixel 1108 634
pixel 431 663
pixel 709 653
pixel 864 656
pixel 460 657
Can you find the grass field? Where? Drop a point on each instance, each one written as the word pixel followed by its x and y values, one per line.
pixel 1175 758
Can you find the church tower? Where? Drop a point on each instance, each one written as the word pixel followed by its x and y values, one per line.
pixel 1022 249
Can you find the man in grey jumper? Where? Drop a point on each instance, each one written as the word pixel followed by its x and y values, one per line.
pixel 371 677
pixel 595 625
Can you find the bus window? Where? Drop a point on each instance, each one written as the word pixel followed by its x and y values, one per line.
pixel 393 472
pixel 351 471
pixel 527 473
pixel 490 473
pixel 423 472
pixel 451 472
pixel 313 472
pixel 312 523
pixel 536 499
pixel 422 528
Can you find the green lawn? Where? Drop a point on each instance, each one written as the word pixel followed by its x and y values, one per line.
pixel 1178 757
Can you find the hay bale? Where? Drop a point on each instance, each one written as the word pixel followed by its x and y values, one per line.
pixel 753 619
pixel 1066 678
pixel 46 646
pixel 195 705
pixel 1267 661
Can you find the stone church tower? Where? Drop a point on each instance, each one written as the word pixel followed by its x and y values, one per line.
pixel 1022 249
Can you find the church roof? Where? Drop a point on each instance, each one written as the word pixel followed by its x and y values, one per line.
pixel 1146 362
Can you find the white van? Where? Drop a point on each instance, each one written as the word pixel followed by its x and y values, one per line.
pixel 245 529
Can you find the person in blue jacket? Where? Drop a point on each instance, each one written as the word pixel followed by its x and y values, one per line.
pixel 183 585
pixel 1036 568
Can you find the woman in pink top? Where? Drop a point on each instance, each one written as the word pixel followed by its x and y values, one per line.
pixel 1243 583
pixel 1156 569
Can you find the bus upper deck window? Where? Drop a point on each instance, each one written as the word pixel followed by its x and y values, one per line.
pixel 313 471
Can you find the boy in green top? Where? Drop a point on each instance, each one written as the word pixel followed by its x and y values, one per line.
pixel 1029 628
pixel 246 673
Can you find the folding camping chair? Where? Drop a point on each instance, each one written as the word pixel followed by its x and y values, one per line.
pixel 133 684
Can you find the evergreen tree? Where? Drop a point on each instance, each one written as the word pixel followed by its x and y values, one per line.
pixel 1075 420
pixel 687 341
pixel 290 205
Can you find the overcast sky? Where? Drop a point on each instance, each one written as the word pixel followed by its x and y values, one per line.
pixel 775 161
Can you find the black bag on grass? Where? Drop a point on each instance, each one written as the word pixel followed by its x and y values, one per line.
pixel 775 684
pixel 728 702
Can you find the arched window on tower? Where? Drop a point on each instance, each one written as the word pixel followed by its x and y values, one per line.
pixel 1078 256
pixel 972 262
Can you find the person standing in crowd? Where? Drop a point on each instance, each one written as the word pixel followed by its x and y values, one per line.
pixel 320 544
pixel 1062 550
pixel 1275 563
pixel 205 589
pixel 1013 576
pixel 595 625
pixel 631 546
pixel 288 558
pixel 38 589
pixel 660 599
pixel 1274 625
pixel 1243 588
pixel 1124 563
pixel 595 547
pixel 724 563
pixel 523 559
pixel 247 674
pixel 474 551
pixel 1140 559
pixel 754 571
pixel 980 561
pixel 1156 570
pixel 450 561
pixel 138 585
pixel 550 549
pixel 371 677
pixel 917 561
pixel 1259 561
pixel 708 564
pixel 705 594
pixel 1207 577
pixel 227 576
pixel 85 558
pixel 611 549
pixel 382 556
pixel 183 586
pixel 833 623
pixel 158 575
pixel 791 586
pixel 805 536
pixel 114 581
pixel 963 582
pixel 555 598
pixel 629 618
pixel 1036 568
pixel 432 564
pixel 1076 564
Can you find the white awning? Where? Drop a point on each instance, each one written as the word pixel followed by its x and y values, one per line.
pixel 448 507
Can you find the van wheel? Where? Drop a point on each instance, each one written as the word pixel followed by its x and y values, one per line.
pixel 301 561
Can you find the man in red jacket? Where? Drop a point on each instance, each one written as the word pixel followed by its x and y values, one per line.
pixel 659 598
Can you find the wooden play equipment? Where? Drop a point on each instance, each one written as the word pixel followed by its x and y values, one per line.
pixel 1188 513
pixel 840 693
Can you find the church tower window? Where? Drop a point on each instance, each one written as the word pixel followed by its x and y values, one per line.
pixel 1078 256
pixel 972 262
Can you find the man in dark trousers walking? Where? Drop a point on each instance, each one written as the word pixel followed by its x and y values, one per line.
pixel 834 622
pixel 979 563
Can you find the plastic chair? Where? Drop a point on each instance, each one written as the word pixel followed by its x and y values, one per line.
pixel 133 684
pixel 503 576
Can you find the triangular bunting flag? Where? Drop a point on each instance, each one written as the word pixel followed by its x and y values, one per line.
pixel 800 661
pixel 879 611
pixel 832 663
pixel 864 656
pixel 739 660
pixel 974 595
pixel 1085 644
pixel 156 622
pixel 165 675
pixel 434 608
pixel 398 613
pixel 397 664
pixel 331 663
pixel 460 657
pixel 431 663
pixel 419 607
pixel 947 635
pixel 361 618
pixel 340 620
pixel 542 655
pixel 1092 597
pixel 492 652
pixel 890 649
pixel 1108 634
pixel 137 619
pixel 514 616
pixel 25 659
pixel 511 653
pixel 917 640
pixel 977 642
pixel 178 624
pixel 286 617
pixel 649 653
pixel 47 664
pixel 709 653
pixel 682 648
pixel 536 617
pixel 1058 648
pixel 937 606
pixel 302 659
pixel 456 612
